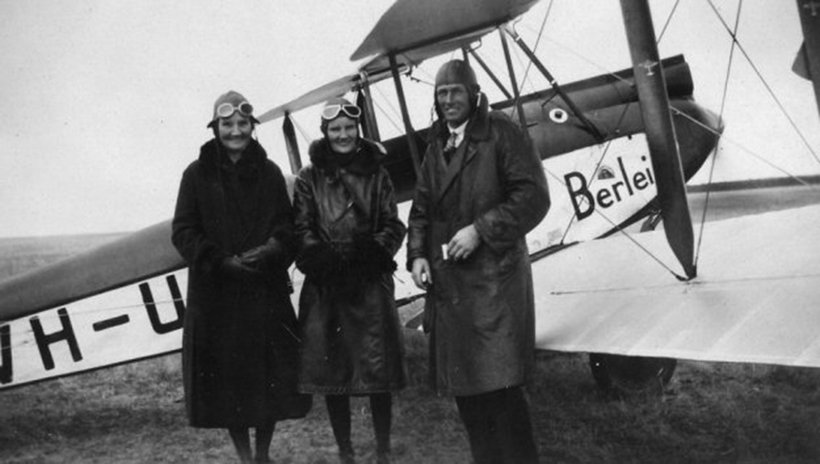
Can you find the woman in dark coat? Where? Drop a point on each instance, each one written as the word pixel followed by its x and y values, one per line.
pixel 234 226
pixel 348 230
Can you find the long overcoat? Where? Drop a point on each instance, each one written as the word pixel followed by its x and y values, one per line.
pixel 480 310
pixel 348 231
pixel 240 345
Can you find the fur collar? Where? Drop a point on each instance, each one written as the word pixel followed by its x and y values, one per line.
pixel 367 159
pixel 212 153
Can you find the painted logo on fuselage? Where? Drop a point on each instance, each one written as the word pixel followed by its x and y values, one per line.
pixel 613 187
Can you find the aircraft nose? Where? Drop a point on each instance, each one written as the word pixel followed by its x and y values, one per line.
pixel 698 131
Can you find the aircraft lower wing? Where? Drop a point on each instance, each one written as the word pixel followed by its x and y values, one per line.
pixel 755 299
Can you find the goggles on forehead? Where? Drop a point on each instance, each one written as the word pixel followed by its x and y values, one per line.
pixel 226 109
pixel 332 111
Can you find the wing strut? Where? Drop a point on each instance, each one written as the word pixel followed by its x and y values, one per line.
pixel 660 132
pixel 490 73
pixel 364 100
pixel 291 144
pixel 405 115
pixel 521 117
pixel 534 59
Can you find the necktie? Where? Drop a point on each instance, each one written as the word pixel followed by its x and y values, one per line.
pixel 450 147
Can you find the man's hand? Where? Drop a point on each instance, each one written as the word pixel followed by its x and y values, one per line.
pixel 421 273
pixel 463 243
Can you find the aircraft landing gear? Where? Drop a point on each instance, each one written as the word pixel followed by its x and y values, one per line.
pixel 620 374
pixel 631 374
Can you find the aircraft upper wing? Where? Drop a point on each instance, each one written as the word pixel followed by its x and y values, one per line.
pixel 410 30
pixel 321 94
pixel 415 30
pixel 315 96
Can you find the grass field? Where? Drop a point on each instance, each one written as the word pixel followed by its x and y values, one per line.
pixel 710 412
pixel 21 254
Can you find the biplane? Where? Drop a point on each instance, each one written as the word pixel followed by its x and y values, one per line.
pixel 617 149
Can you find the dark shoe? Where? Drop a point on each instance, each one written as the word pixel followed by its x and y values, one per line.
pixel 346 457
pixel 383 457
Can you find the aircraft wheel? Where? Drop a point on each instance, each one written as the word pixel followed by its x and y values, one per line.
pixel 631 374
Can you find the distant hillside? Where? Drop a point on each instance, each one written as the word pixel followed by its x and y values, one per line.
pixel 22 254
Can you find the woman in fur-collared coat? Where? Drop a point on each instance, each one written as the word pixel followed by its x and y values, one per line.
pixel 348 230
pixel 233 225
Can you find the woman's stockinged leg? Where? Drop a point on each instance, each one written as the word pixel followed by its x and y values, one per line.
pixel 264 435
pixel 242 443
pixel 338 408
pixel 381 405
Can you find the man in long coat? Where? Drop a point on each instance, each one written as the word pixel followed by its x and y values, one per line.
pixel 481 189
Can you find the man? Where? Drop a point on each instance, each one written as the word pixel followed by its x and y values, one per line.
pixel 482 188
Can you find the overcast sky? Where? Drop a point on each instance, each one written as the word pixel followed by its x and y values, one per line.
pixel 105 102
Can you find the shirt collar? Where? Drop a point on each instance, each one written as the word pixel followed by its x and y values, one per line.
pixel 459 131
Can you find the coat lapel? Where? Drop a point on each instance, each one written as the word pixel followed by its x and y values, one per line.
pixel 477 131
pixel 462 157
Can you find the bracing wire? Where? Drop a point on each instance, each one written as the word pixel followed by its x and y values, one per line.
pixel 569 225
pixel 428 78
pixel 765 83
pixel 516 54
pixel 668 21
pixel 568 228
pixel 571 221
pixel 605 70
pixel 615 226
pixel 305 137
pixel 524 80
pixel 582 57
pixel 419 80
pixel 748 151
pixel 537 42
pixel 384 111
pixel 604 152
pixel 619 229
pixel 724 140
pixel 713 163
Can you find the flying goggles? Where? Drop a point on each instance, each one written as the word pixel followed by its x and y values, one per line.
pixel 332 111
pixel 226 109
